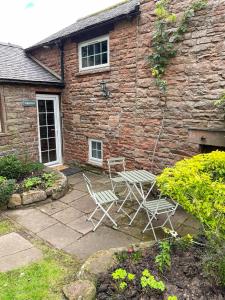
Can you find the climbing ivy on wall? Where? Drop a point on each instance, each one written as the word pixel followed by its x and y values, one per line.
pixel 164 40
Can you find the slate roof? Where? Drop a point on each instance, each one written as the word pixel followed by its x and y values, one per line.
pixel 121 10
pixel 15 66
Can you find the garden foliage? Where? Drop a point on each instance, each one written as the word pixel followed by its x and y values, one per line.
pixel 198 185
pixel 6 189
pixel 13 168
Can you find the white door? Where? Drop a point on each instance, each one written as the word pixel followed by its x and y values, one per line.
pixel 49 129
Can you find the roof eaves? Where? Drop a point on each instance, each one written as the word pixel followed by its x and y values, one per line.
pixel 121 17
pixel 32 82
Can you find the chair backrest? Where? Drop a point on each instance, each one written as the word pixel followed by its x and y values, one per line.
pixel 89 186
pixel 115 163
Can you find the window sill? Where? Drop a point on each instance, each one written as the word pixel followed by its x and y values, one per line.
pixel 95 163
pixel 93 71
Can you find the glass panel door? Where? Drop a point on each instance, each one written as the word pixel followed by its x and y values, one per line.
pixel 49 129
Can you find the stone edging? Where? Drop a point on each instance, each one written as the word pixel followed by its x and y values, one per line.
pixel 56 192
pixel 85 287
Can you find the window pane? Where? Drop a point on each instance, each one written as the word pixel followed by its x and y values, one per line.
pixel 99 146
pixel 52 155
pixel 94 145
pixel 42 119
pixel 43 132
pixel 99 154
pixel 104 46
pixel 50 105
pixel 44 156
pixel 51 119
pixel 94 153
pixel 97 48
pixel 98 59
pixel 104 58
pixel 84 62
pixel 90 61
pixel 52 144
pixel 84 51
pixel 51 131
pixel 90 50
pixel 44 145
pixel 41 105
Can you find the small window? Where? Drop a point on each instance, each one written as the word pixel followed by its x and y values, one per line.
pixel 94 53
pixel 95 152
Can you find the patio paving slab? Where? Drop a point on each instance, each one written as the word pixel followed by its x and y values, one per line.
pixel 12 243
pixel 103 238
pixel 20 259
pixel 16 251
pixel 53 207
pixel 82 225
pixel 76 178
pixel 73 196
pixel 33 219
pixel 84 204
pixel 59 235
pixel 68 215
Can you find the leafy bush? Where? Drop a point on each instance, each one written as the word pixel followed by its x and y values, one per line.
pixel 6 189
pixel 32 182
pixel 13 168
pixel 198 185
pixel 214 260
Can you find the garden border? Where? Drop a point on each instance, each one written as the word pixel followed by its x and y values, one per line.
pixel 57 191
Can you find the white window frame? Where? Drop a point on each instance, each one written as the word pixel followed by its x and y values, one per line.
pixel 90 42
pixel 94 160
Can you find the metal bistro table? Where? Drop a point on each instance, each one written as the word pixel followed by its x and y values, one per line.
pixel 135 181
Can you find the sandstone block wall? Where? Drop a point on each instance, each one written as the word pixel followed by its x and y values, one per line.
pixel 132 119
pixel 20 123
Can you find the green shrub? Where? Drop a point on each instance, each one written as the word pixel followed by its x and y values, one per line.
pixel 198 185
pixel 6 189
pixel 214 260
pixel 12 167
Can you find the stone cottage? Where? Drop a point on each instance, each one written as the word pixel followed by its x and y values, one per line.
pixel 86 93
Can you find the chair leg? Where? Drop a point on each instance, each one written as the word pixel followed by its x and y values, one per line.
pixel 92 214
pixel 106 214
pixel 150 223
pixel 135 215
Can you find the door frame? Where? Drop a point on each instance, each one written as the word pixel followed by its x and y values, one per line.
pixel 58 135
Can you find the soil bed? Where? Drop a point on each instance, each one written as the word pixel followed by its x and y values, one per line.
pixel 185 279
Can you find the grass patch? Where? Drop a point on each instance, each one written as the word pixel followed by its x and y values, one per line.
pixel 6 227
pixel 42 280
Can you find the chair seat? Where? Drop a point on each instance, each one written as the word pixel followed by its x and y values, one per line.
pixel 159 205
pixel 118 179
pixel 106 197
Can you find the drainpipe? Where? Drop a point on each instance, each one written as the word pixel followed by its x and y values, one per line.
pixel 60 46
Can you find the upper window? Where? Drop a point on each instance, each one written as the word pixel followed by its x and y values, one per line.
pixel 94 53
pixel 95 152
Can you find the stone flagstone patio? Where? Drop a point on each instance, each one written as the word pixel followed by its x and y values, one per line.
pixel 63 223
pixel 16 251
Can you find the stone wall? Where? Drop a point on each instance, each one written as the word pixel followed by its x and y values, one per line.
pixel 50 57
pixel 20 123
pixel 132 119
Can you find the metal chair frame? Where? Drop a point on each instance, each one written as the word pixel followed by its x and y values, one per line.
pixel 104 201
pixel 116 180
pixel 158 207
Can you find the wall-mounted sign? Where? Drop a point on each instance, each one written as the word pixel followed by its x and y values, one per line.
pixel 29 103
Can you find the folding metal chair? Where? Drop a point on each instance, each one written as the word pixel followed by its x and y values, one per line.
pixel 116 164
pixel 159 207
pixel 104 201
